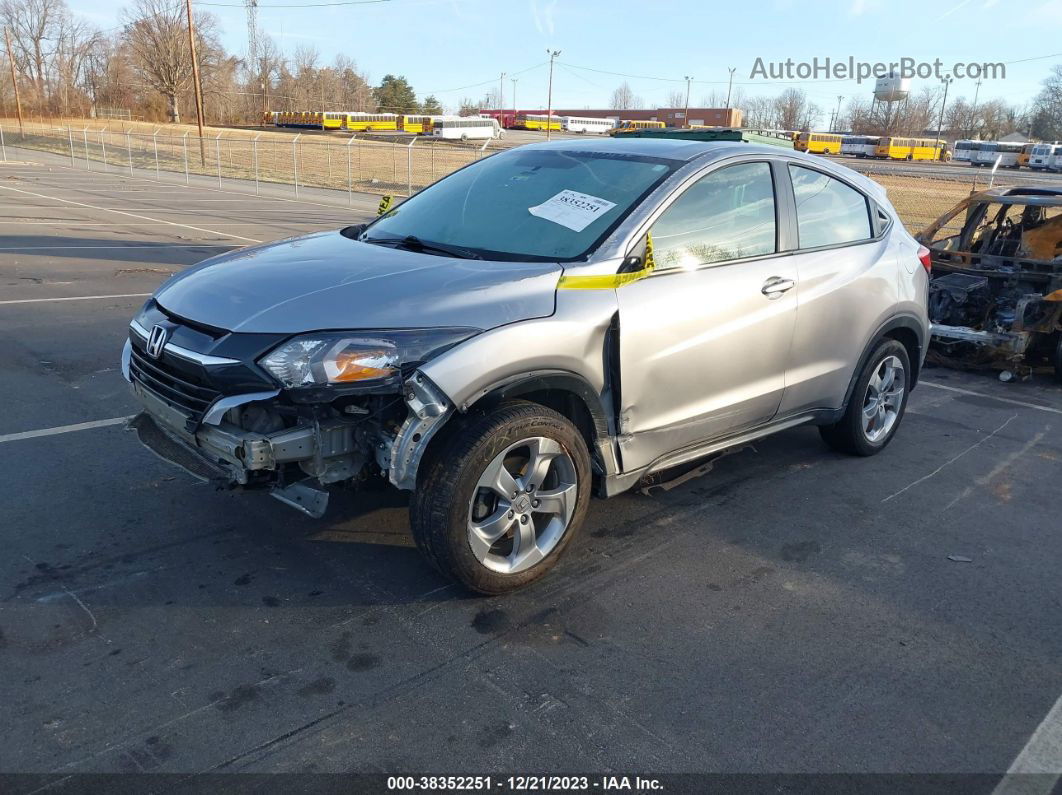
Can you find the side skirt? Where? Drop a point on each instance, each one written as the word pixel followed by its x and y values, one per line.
pixel 617 484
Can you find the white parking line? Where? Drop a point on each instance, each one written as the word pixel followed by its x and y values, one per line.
pixel 1038 767
pixel 73 298
pixel 78 426
pixel 129 223
pixel 131 215
pixel 1011 401
pixel 127 245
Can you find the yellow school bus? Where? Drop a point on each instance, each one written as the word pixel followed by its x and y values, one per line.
pixel 818 143
pixel 912 149
pixel 1026 153
pixel 417 125
pixel 536 121
pixel 269 118
pixel 369 122
pixel 332 120
pixel 627 125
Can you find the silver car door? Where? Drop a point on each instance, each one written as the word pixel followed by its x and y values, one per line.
pixel 704 340
pixel 848 287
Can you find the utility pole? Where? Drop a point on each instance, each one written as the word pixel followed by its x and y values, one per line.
pixel 501 97
pixel 513 81
pixel 940 124
pixel 549 96
pixel 973 108
pixel 686 113
pixel 14 80
pixel 195 79
pixel 837 115
pixel 729 86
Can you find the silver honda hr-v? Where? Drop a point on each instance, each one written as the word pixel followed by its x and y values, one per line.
pixel 552 321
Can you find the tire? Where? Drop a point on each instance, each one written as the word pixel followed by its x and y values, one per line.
pixel 851 434
pixel 1058 360
pixel 451 498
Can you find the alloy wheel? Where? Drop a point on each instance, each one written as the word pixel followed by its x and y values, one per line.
pixel 884 397
pixel 522 505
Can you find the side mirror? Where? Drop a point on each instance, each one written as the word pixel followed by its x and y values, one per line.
pixel 632 263
pixel 353 232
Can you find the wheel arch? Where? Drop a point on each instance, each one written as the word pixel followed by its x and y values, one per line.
pixel 905 329
pixel 567 393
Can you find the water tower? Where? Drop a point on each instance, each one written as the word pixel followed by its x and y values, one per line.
pixel 889 90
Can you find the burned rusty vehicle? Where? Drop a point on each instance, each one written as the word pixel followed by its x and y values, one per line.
pixel 995 297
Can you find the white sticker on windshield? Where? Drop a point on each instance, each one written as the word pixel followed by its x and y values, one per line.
pixel 572 209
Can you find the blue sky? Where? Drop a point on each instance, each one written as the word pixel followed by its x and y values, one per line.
pixel 446 47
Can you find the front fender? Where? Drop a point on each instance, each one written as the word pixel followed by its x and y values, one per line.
pixel 572 340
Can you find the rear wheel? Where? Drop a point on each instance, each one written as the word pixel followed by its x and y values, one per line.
pixel 877 405
pixel 1058 360
pixel 502 496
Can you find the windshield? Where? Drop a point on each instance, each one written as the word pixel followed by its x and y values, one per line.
pixel 526 205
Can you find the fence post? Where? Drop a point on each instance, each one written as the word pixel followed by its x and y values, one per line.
pixel 3 146
pixel 185 139
pixel 155 145
pixel 432 162
pixel 88 162
pixel 254 150
pixel 129 151
pixel 103 148
pixel 409 167
pixel 70 138
pixel 217 154
pixel 350 185
pixel 394 162
pixel 295 161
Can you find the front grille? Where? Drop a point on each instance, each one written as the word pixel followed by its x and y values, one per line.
pixel 164 382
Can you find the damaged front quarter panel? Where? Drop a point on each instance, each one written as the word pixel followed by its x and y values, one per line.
pixel 428 411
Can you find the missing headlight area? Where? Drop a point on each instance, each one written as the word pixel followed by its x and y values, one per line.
pixel 995 295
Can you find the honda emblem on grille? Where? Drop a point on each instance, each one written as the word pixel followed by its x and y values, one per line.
pixel 156 342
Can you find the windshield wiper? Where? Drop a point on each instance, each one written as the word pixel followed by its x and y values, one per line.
pixel 414 243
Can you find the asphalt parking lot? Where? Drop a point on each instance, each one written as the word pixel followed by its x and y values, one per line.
pixel 789 611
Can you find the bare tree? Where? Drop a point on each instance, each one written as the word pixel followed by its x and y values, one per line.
pixel 622 98
pixel 792 110
pixel 1046 121
pixel 157 36
pixel 675 99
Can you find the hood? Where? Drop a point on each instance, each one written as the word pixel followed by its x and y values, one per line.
pixel 327 281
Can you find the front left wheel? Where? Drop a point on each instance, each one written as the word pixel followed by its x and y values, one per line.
pixel 501 495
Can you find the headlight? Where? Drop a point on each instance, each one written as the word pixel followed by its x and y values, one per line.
pixel 357 357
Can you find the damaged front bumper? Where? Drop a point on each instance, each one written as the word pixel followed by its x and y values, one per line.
pixel 295 463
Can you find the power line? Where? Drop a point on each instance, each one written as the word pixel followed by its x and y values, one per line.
pixel 295 5
pixel 484 82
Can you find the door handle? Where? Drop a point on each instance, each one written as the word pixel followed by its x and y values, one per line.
pixel 776 286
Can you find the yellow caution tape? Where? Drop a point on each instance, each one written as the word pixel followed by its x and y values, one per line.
pixel 385 205
pixel 611 281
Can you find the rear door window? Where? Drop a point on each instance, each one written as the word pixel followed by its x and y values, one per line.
pixel 829 212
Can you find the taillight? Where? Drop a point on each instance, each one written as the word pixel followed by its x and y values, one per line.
pixel 925 259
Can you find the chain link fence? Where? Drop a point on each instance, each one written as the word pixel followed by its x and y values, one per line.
pixel 400 166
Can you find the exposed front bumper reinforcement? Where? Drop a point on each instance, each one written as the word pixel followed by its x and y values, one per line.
pixel 296 463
